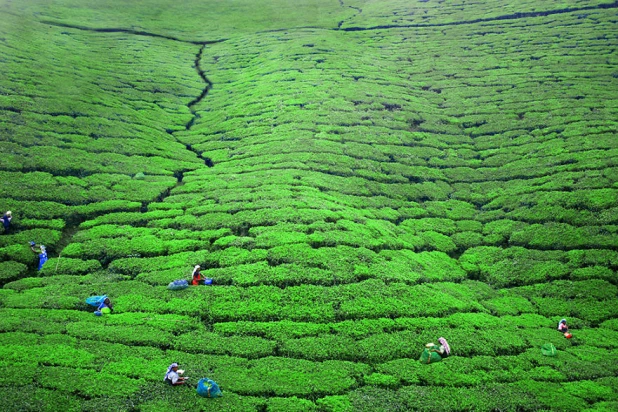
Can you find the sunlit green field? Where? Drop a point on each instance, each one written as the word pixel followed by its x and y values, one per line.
pixel 359 178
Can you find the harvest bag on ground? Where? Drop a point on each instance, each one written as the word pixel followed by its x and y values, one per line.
pixel 95 300
pixel 178 285
pixel 207 388
pixel 549 349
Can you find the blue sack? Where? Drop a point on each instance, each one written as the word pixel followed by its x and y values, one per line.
pixel 207 281
pixel 178 284
pixel 95 300
pixel 204 384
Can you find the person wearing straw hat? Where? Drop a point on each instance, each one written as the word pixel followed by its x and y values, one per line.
pixel 172 376
pixel 6 221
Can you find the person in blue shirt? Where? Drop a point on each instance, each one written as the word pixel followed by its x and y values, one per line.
pixel 6 221
pixel 42 254
pixel 105 308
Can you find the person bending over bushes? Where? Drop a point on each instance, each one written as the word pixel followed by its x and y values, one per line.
pixel 105 308
pixel 434 353
pixel 173 377
pixel 6 221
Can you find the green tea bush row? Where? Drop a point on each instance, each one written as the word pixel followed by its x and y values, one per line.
pixel 105 250
pixel 361 328
pixel 58 355
pixel 261 273
pixel 519 266
pixel 134 335
pixel 69 266
pixel 299 303
pixel 47 237
pixel 130 218
pixel 240 346
pixel 39 399
pixel 10 270
pixel 74 191
pixel 564 236
pixel 113 231
pixel 133 266
pixel 292 404
pixel 273 374
pixel 53 160
pixel 87 383
pixel 230 402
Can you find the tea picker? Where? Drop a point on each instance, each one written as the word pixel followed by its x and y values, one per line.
pixel 172 376
pixel 6 221
pixel 562 327
pixel 105 308
pixel 103 304
pixel 197 277
pixel 42 252
pixel 434 353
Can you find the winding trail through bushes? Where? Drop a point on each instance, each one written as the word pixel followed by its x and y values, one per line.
pixel 358 11
pixel 72 224
pixel 129 31
pixel 513 16
pixel 200 72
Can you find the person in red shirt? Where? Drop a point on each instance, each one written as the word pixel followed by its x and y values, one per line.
pixel 197 276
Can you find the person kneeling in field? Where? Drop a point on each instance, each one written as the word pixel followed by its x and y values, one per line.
pixel 172 376
pixel 105 308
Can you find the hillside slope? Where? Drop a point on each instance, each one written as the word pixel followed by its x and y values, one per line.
pixel 358 177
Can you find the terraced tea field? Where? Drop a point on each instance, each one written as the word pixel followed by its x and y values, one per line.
pixel 359 178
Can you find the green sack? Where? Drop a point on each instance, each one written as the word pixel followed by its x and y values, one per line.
pixel 430 356
pixel 549 349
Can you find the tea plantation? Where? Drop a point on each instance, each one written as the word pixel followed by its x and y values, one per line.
pixel 359 178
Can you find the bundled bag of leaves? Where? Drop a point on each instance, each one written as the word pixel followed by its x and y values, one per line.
pixel 178 284
pixel 207 388
pixel 549 349
pixel 431 354
pixel 95 300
